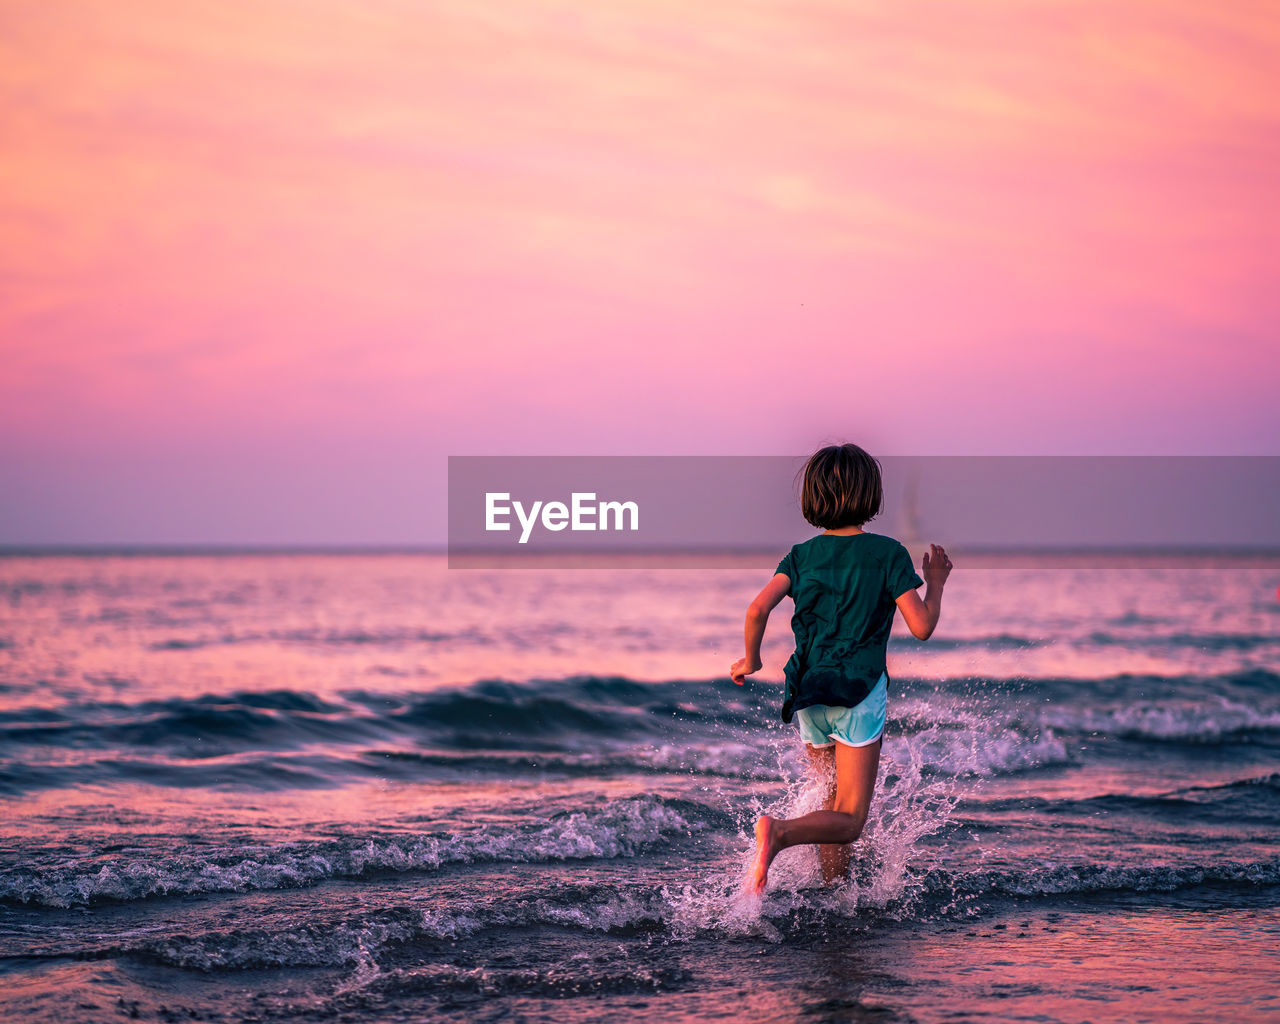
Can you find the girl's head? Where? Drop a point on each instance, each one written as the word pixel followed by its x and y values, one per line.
pixel 841 487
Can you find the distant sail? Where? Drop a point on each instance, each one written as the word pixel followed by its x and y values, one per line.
pixel 909 532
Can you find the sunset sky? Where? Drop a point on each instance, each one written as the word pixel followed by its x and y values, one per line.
pixel 266 265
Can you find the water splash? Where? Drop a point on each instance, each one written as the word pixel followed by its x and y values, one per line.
pixel 888 868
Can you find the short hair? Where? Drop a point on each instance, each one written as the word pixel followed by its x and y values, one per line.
pixel 841 487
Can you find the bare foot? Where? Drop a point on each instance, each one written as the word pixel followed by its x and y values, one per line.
pixel 766 849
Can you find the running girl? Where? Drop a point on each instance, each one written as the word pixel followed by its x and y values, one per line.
pixel 845 583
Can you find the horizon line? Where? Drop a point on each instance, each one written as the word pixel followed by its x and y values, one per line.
pixel 444 550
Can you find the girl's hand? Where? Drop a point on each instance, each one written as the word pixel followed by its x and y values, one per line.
pixel 938 567
pixel 742 668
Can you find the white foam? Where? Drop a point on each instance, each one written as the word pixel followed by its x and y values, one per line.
pixel 1059 879
pixel 960 753
pixel 622 828
pixel 1207 720
pixel 911 804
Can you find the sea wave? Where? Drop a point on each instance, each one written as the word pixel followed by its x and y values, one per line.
pixel 282 739
pixel 577 712
pixel 330 936
pixel 621 828
pixel 765 757
pixel 333 939
pixel 1211 720
pixel 1062 879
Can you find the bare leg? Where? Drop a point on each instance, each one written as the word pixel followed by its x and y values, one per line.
pixel 855 784
pixel 823 762
pixel 856 770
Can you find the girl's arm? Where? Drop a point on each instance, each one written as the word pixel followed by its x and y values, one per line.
pixel 921 617
pixel 757 616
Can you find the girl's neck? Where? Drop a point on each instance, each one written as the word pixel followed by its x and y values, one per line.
pixel 844 531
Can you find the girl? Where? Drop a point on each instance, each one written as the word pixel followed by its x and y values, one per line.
pixel 845 583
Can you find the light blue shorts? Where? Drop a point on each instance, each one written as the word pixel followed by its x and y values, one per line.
pixel 822 725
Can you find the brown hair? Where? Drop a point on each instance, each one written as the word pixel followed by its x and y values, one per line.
pixel 841 487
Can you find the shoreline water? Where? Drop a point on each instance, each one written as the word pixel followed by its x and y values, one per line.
pixel 326 787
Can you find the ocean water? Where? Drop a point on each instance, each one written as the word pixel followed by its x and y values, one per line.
pixel 286 787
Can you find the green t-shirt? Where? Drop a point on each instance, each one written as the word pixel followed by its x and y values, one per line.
pixel 845 590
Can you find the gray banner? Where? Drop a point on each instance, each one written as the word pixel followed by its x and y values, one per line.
pixel 721 511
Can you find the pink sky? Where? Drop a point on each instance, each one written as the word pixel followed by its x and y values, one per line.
pixel 266 264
